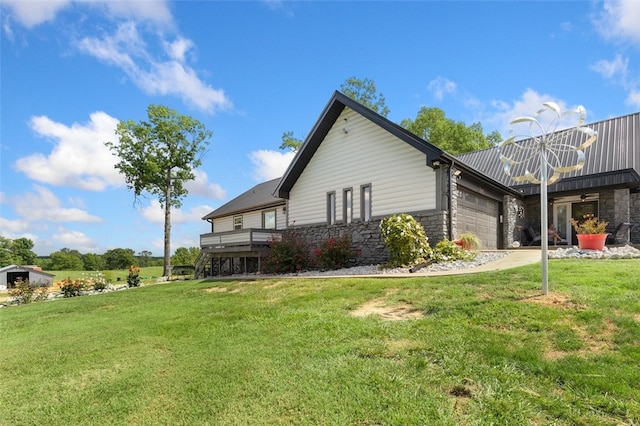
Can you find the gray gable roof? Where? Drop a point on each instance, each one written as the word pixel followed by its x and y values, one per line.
pixel 613 160
pixel 259 197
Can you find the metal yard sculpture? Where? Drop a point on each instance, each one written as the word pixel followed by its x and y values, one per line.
pixel 543 154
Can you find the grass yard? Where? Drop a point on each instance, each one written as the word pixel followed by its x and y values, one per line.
pixel 460 350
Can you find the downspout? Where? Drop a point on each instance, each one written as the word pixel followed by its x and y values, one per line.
pixel 450 207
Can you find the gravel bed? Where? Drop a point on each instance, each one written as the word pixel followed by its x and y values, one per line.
pixel 625 252
pixel 481 259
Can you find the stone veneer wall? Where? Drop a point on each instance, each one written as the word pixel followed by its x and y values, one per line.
pixel 365 236
pixel 634 216
pixel 513 221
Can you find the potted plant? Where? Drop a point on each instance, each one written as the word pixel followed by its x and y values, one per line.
pixel 468 241
pixel 590 233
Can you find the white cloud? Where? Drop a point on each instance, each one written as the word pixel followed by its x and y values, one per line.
pixel 611 69
pixel 270 164
pixel 78 158
pixel 143 10
pixel 10 227
pixel 202 186
pixel 178 49
pixel 32 13
pixel 75 239
pixel 528 105
pixel 441 86
pixel 619 19
pixel 154 213
pixel 634 98
pixel 127 50
pixel 43 205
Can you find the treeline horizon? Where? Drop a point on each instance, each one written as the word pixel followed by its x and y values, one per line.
pixel 19 252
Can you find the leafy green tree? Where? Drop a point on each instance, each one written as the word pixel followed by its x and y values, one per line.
pixel 158 157
pixel 66 260
pixel 119 258
pixel 22 248
pixel 144 258
pixel 432 125
pixel 185 256
pixel 365 93
pixel 93 262
pixel 7 256
pixel 16 252
pixel 290 142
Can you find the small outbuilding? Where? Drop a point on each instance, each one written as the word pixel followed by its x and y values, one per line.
pixel 12 273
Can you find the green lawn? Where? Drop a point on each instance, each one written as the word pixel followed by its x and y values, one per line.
pixel 484 350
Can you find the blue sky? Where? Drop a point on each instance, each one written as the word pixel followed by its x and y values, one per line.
pixel 252 70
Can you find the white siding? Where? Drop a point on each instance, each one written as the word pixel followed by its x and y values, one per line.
pixel 249 220
pixel 366 154
pixel 223 224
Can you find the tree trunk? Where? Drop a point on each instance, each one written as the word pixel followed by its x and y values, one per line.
pixel 167 228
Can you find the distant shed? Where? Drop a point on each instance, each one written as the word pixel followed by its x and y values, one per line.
pixel 11 273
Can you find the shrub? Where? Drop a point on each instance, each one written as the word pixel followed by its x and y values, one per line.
pixel 133 279
pixel 449 251
pixel 334 253
pixel 97 280
pixel 25 292
pixel 71 288
pixel 289 254
pixel 405 238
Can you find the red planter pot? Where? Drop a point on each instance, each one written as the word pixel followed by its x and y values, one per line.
pixel 591 241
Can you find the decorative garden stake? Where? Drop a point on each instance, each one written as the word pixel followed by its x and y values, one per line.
pixel 542 155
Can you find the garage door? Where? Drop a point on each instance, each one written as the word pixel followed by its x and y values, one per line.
pixel 479 215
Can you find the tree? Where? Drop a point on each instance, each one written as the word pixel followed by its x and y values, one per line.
pixel 290 142
pixel 66 259
pixel 185 256
pixel 93 262
pixel 21 248
pixel 454 137
pixel 364 92
pixel 16 252
pixel 144 258
pixel 119 258
pixel 158 157
pixel 7 257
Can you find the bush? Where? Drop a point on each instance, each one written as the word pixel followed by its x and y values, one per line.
pixel 289 254
pixel 72 288
pixel 406 240
pixel 449 251
pixel 133 279
pixel 334 253
pixel 97 280
pixel 25 292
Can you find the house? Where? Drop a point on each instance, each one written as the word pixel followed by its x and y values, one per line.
pixel 608 186
pixel 356 167
pixel 12 273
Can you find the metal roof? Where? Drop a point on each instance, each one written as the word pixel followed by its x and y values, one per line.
pixel 614 159
pixel 259 197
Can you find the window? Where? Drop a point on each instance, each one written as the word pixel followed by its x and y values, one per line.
pixel 347 205
pixel 269 219
pixel 365 202
pixel 331 208
pixel 237 222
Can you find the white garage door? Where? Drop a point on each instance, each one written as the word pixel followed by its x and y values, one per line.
pixel 479 215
